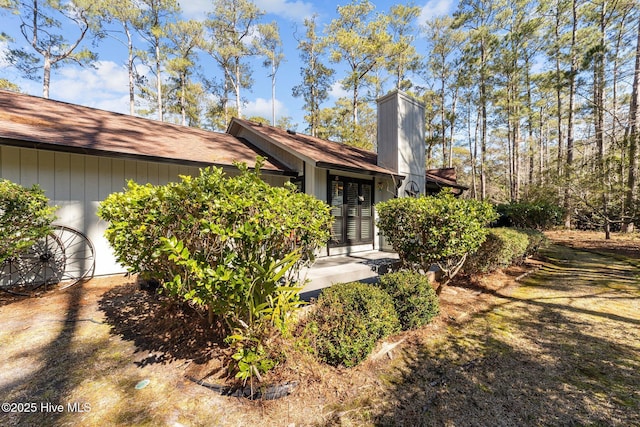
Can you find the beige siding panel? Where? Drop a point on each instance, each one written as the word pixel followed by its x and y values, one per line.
pixel 10 163
pixel 62 191
pixel 153 173
pixel 163 173
pixel 174 171
pixel 130 170
pixel 104 178
pixel 28 167
pixel 142 173
pixel 118 183
pixel 75 214
pixel 46 173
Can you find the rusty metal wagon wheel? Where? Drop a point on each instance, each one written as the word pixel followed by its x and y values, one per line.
pixel 65 257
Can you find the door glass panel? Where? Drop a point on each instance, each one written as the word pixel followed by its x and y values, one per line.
pixel 352 198
pixel 337 200
pixel 352 211
pixel 365 206
pixel 366 230
pixel 336 230
pixel 337 197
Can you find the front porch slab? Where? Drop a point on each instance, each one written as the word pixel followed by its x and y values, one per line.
pixel 359 266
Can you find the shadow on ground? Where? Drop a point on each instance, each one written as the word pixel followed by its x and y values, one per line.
pixel 556 356
pixel 61 367
pixel 168 331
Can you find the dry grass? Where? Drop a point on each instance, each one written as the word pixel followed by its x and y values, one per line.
pixel 560 348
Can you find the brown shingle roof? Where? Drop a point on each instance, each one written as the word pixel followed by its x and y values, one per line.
pixel 444 177
pixel 324 153
pixel 34 122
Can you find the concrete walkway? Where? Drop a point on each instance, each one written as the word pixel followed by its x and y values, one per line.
pixel 360 266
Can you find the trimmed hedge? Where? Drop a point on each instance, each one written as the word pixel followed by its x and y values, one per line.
pixel 536 215
pixel 537 241
pixel 438 230
pixel 413 297
pixel 348 320
pixel 503 247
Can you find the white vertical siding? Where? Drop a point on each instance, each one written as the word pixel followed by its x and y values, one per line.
pixel 77 183
pixel 10 163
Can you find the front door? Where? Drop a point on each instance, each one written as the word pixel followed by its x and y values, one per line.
pixel 352 209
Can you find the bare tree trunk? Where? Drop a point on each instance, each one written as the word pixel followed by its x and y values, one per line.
pixel 236 87
pixel 473 154
pixel 443 135
pixel 633 143
pixel 159 81
pixel 183 99
pixel 130 69
pixel 598 120
pixel 46 79
pixel 572 83
pixel 483 140
pixel 273 93
pixel 454 103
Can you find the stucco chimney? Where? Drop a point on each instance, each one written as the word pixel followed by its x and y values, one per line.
pixel 401 145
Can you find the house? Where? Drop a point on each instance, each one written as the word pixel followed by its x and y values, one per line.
pixel 437 179
pixel 80 155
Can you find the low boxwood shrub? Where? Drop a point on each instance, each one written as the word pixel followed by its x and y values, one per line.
pixel 503 247
pixel 413 297
pixel 348 320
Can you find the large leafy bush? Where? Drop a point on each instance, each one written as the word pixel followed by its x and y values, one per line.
pixel 538 215
pixel 502 248
pixel 414 299
pixel 25 216
pixel 232 245
pixel 438 230
pixel 348 320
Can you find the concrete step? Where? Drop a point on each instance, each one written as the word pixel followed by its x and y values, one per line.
pixel 327 271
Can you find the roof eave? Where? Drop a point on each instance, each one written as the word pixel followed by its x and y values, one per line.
pixel 24 143
pixel 327 165
pixel 273 141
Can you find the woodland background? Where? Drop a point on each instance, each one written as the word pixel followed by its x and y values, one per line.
pixel 531 100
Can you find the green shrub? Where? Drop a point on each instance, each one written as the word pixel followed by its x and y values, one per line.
pixel 232 245
pixel 438 229
pixel 348 320
pixel 537 215
pixel 414 299
pixel 502 248
pixel 537 241
pixel 25 216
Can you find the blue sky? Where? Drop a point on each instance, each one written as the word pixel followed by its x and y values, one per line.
pixel 105 86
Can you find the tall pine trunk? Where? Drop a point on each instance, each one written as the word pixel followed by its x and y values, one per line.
pixel 633 144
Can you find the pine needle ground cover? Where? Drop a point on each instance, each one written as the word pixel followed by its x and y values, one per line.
pixel 560 346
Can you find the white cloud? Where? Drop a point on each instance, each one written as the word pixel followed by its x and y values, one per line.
pixel 105 86
pixel 435 8
pixel 293 10
pixel 262 107
pixel 196 9
pixel 337 91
